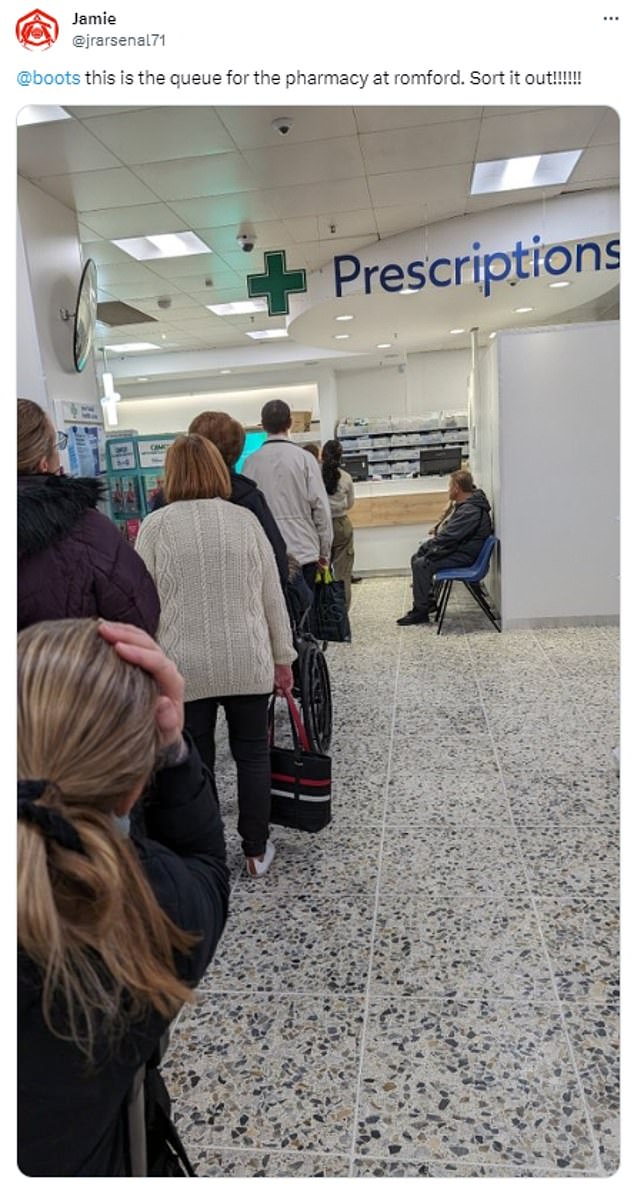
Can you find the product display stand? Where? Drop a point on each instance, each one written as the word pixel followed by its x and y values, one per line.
pixel 135 473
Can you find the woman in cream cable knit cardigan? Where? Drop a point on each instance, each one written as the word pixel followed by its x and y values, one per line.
pixel 223 622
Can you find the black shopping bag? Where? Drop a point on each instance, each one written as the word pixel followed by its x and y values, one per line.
pixel 301 780
pixel 329 615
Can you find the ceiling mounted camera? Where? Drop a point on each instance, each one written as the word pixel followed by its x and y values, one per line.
pixel 282 124
pixel 164 303
pixel 246 242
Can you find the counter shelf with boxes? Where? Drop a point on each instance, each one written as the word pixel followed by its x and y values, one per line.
pixel 394 445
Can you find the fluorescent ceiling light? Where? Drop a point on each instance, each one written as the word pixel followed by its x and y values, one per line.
pixel 458 330
pixel 381 345
pixel 344 317
pixel 558 284
pixel 523 309
pixel 41 114
pixel 117 348
pixel 519 173
pixel 181 243
pixel 225 371
pixel 493 334
pixel 278 334
pixel 255 306
pixel 341 336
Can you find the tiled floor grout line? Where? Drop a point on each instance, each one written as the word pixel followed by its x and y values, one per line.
pixel 561 679
pixel 366 1011
pixel 546 952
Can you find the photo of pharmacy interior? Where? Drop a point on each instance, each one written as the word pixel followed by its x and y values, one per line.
pixel 429 985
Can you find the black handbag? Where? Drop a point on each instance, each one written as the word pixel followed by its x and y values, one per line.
pixel 329 614
pixel 301 780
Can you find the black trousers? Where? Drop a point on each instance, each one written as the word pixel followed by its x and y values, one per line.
pixel 247 722
pixel 309 570
pixel 423 569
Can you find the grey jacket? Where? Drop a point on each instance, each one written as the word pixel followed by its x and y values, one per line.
pixel 291 481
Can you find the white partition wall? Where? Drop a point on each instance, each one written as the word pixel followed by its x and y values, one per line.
pixel 558 455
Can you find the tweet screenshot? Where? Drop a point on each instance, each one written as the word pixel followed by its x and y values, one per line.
pixel 321 659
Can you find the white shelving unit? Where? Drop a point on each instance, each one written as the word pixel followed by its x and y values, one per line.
pixel 393 445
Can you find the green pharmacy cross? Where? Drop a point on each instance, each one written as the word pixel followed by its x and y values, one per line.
pixel 275 284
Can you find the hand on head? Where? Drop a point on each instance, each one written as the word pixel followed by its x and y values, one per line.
pixel 137 647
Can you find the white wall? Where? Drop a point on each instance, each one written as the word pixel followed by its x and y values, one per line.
pixel 558 506
pixel 484 459
pixel 48 279
pixel 430 380
pixel 437 380
pixel 31 382
pixel 167 415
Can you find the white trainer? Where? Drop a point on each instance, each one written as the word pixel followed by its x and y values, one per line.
pixel 258 865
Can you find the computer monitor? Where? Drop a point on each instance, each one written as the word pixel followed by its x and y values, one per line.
pixel 253 440
pixel 440 460
pixel 355 465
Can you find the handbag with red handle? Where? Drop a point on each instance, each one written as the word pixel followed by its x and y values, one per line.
pixel 301 780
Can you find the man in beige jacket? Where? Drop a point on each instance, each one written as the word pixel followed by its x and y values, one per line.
pixel 291 481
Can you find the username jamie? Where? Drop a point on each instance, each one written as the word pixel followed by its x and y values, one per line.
pixel 94 18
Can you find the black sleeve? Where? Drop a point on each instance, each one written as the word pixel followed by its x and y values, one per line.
pixel 184 857
pixel 269 524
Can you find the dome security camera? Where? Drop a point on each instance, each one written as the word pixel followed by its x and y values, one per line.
pixel 282 124
pixel 246 242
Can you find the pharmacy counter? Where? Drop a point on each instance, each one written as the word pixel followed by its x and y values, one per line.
pixel 391 517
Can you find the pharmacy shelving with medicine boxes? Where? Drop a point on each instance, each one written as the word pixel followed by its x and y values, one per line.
pixel 393 444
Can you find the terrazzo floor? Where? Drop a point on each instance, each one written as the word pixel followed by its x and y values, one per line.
pixel 428 987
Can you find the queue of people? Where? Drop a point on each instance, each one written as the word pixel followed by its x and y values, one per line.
pixel 124 658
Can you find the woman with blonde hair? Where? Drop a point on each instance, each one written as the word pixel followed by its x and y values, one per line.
pixel 114 927
pixel 223 621
pixel 72 560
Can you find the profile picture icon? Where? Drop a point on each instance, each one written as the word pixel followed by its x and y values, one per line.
pixel 37 30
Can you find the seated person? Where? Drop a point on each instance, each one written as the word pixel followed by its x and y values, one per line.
pixel 457 542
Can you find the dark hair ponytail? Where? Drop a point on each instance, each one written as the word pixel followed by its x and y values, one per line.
pixel 330 458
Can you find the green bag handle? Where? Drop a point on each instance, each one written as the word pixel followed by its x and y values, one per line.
pixel 324 576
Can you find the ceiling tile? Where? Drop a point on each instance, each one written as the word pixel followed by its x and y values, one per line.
pixel 316 161
pixel 608 130
pixel 119 224
pixel 447 184
pixel 111 274
pixel 205 264
pixel 544 131
pixel 322 253
pixel 354 223
pixel 148 286
pixel 161 133
pixel 347 195
pixel 250 127
pixel 228 210
pixel 83 113
pixel 103 252
pixel 394 219
pixel 421 147
pixel 196 177
pixel 597 164
pixel 97 190
pixel 60 147
pixel 306 228
pixel 380 119
pixel 224 239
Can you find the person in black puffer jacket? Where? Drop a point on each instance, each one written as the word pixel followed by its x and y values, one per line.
pixel 72 560
pixel 457 542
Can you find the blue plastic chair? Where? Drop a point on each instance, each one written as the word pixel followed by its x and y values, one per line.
pixel 471 576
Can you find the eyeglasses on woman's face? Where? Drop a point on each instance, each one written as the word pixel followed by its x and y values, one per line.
pixel 61 440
